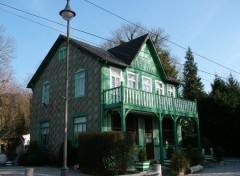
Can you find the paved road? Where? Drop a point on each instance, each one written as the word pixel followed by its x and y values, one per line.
pixel 230 168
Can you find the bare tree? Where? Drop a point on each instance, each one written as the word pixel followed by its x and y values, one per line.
pixel 14 99
pixel 7 47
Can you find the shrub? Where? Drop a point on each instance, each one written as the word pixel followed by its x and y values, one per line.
pixel 71 154
pixel 218 154
pixel 35 156
pixel 169 152
pixel 179 162
pixel 142 156
pixel 11 149
pixel 194 156
pixel 108 153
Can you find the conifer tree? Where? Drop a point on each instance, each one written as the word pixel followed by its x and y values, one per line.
pixel 191 83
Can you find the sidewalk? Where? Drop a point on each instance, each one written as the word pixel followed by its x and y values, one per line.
pixel 230 168
pixel 37 171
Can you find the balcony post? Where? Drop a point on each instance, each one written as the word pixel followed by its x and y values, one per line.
pixel 175 132
pixel 122 93
pixel 123 120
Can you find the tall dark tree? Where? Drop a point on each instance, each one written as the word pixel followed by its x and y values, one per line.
pixel 220 112
pixel 191 83
pixel 128 32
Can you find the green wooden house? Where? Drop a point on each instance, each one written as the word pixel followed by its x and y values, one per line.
pixel 124 88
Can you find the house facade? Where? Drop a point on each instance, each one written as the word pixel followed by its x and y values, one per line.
pixel 124 88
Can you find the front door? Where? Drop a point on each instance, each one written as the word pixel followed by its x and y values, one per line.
pixel 149 139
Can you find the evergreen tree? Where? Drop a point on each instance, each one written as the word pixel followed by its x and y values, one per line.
pixel 192 85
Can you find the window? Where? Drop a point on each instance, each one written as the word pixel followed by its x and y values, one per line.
pixel 132 80
pixel 171 90
pixel 80 83
pixel 62 53
pixel 146 84
pixel 159 87
pixel 79 126
pixel 44 131
pixel 45 93
pixel 115 77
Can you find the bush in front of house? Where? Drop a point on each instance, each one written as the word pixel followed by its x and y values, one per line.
pixel 71 154
pixel 35 156
pixel 179 163
pixel 107 153
pixel 11 149
pixel 194 156
pixel 218 154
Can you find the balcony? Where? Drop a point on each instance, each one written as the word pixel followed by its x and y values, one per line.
pixel 149 102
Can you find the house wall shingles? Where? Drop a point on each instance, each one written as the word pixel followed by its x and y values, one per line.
pixel 89 105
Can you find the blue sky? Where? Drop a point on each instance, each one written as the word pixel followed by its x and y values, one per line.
pixel 210 28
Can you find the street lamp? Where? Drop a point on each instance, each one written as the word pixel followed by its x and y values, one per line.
pixel 67 14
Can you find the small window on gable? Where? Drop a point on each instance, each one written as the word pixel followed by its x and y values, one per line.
pixel 115 77
pixel 146 84
pixel 79 126
pixel 132 80
pixel 79 83
pixel 44 133
pixel 62 53
pixel 171 90
pixel 45 93
pixel 159 87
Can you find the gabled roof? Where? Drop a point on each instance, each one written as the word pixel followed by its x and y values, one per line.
pixel 122 55
pixel 128 51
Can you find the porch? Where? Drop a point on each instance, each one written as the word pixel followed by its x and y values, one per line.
pixel 155 118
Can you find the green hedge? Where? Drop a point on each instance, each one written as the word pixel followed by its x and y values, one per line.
pixel 35 156
pixel 107 153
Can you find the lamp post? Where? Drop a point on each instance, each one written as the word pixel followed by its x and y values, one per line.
pixel 67 14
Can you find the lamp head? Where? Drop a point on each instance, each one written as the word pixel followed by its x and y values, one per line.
pixel 67 13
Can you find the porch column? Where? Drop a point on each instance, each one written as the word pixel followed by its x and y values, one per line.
pixel 123 120
pixel 161 139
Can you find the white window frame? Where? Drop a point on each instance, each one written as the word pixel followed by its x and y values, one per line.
pixel 159 89
pixel 130 81
pixel 79 126
pixel 171 90
pixel 143 84
pixel 112 74
pixel 80 81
